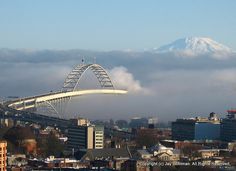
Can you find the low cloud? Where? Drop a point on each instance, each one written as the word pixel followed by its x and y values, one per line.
pixel 161 85
pixel 123 79
pixel 225 78
pixel 218 55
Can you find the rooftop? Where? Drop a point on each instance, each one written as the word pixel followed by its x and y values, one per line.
pixel 143 152
pixel 105 153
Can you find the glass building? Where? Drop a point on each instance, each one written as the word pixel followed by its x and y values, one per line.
pixel 196 128
pixel 228 127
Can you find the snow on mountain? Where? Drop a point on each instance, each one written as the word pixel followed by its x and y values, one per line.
pixel 196 46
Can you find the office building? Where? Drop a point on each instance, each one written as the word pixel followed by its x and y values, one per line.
pixel 152 122
pixel 228 126
pixel 138 122
pixel 196 128
pixel 80 121
pixel 83 135
pixel 80 137
pixel 3 155
pixel 98 137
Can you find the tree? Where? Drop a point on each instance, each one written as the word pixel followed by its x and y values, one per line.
pixel 51 145
pixel 145 139
pixel 16 137
pixel 191 150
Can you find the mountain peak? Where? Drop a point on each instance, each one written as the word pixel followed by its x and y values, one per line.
pixel 196 46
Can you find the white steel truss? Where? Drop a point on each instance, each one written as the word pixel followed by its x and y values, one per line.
pixel 75 75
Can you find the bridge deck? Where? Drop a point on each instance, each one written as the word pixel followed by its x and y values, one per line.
pixel 30 102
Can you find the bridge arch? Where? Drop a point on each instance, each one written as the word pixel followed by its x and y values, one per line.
pixel 73 78
pixel 56 102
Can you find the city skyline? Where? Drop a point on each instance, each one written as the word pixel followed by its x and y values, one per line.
pixel 117 85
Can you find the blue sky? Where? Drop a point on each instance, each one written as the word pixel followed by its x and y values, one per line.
pixel 113 25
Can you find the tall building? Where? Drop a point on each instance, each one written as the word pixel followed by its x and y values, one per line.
pixel 152 122
pixel 80 121
pixel 3 155
pixel 196 128
pixel 138 122
pixel 80 137
pixel 228 127
pixel 98 137
pixel 83 135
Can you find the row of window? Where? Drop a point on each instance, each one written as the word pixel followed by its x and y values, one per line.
pixel 2 162
pixel 3 149
pixel 99 136
pixel 2 155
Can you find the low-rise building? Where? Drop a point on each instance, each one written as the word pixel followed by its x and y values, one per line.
pixel 196 128
pixel 52 162
pixel 17 160
pixel 102 154
pixel 135 165
pixel 143 154
pixel 158 153
pixel 162 153
pixel 156 133
pixel 208 153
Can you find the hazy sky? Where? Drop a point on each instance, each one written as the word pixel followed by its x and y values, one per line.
pixel 109 25
pixel 162 85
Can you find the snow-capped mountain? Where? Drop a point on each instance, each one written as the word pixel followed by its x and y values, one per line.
pixel 196 46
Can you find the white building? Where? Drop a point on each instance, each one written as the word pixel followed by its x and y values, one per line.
pixel 98 137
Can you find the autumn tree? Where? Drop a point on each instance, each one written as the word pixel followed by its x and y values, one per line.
pixel 50 145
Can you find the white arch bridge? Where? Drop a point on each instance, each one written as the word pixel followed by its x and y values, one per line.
pixel 56 102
